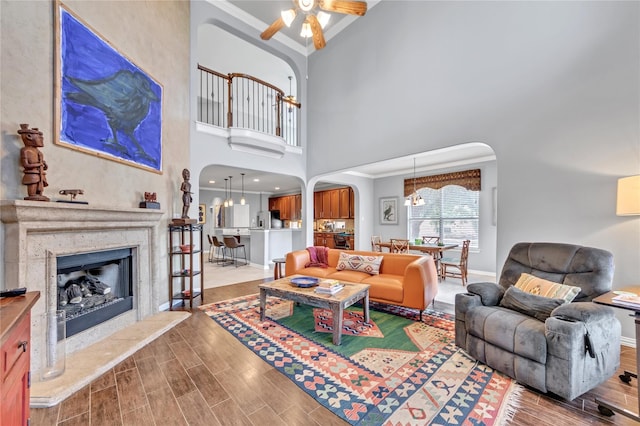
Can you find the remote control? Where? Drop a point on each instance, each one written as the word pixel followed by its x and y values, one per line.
pixel 13 292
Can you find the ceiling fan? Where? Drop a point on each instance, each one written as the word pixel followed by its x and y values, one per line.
pixel 314 22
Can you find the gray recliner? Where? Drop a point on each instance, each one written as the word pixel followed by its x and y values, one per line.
pixel 574 350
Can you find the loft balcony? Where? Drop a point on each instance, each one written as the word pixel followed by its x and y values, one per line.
pixel 255 115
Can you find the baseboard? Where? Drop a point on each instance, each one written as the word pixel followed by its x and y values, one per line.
pixel 628 341
pixel 485 273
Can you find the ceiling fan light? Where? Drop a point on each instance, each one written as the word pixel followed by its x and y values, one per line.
pixel 288 16
pixel 306 5
pixel 407 201
pixel 323 19
pixel 306 30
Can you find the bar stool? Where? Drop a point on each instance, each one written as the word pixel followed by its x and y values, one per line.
pixel 277 268
pixel 232 244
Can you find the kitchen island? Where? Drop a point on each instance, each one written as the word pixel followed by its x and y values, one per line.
pixel 269 244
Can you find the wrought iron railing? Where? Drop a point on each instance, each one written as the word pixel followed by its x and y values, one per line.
pixel 243 101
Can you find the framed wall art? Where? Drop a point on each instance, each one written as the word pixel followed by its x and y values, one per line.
pixel 105 104
pixel 389 211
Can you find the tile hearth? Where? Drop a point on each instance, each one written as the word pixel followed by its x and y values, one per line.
pixel 86 365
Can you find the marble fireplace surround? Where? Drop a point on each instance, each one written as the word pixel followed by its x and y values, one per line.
pixel 35 233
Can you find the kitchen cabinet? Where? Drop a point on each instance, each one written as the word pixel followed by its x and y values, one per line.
pixel 290 206
pixel 334 211
pixel 333 204
pixel 326 205
pixel 317 205
pixel 352 202
pixel 15 349
pixel 297 206
pixel 326 239
pixel 345 203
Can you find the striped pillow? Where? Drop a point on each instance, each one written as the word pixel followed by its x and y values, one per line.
pixel 356 262
pixel 545 288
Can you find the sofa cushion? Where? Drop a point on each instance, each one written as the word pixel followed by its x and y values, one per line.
pixel 385 287
pixel 316 271
pixel 349 276
pixel 541 287
pixel 357 262
pixel 529 304
pixel 509 330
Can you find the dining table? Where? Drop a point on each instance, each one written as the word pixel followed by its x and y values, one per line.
pixel 435 250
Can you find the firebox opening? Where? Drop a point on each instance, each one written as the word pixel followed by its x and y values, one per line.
pixel 94 287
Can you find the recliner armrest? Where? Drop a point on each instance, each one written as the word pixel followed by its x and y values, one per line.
pixel 490 293
pixel 585 312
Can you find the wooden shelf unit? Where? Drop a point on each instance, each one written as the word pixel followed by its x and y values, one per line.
pixel 181 264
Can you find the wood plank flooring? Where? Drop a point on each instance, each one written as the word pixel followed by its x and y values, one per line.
pixel 198 374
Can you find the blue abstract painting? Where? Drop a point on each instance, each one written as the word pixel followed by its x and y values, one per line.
pixel 108 106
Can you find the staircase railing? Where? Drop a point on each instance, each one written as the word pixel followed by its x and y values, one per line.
pixel 242 101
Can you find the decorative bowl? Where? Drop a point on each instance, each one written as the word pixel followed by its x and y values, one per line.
pixel 304 282
pixel 185 248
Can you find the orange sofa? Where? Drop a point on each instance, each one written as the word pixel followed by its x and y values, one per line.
pixel 405 279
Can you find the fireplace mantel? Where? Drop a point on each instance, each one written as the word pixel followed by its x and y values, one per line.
pixel 13 211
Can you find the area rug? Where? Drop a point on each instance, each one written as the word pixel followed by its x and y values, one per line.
pixel 394 370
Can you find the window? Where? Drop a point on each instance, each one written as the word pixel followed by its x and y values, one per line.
pixel 451 212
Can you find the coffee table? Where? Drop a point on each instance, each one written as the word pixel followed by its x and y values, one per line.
pixel 350 294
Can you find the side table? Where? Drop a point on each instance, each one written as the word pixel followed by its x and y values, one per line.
pixel 277 268
pixel 608 408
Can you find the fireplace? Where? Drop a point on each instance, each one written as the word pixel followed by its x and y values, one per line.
pixel 94 287
pixel 41 242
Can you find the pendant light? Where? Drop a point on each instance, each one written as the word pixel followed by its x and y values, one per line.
pixel 230 193
pixel 226 202
pixel 242 200
pixel 414 199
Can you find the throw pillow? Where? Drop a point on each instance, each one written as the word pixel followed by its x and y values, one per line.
pixel 357 262
pixel 545 288
pixel 529 304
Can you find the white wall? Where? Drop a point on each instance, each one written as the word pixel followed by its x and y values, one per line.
pixel 552 87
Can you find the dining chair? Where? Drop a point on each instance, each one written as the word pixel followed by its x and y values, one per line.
pixel 459 265
pixel 430 239
pixel 232 244
pixel 399 245
pixel 375 243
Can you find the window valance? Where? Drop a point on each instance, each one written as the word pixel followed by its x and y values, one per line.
pixel 469 179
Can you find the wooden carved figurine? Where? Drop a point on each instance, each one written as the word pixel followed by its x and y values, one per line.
pixel 186 193
pixel 32 160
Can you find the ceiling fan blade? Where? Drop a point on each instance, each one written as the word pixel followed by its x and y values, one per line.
pixel 272 29
pixel 345 6
pixel 316 30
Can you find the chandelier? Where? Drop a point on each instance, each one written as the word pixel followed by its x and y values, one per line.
pixel 414 199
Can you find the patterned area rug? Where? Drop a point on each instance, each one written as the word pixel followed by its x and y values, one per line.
pixel 393 371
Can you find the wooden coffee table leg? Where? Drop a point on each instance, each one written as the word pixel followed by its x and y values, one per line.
pixel 337 310
pixel 263 303
pixel 365 306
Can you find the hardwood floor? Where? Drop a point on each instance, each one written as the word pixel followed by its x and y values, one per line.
pixel 198 374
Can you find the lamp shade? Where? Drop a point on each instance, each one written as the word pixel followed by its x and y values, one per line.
pixel 628 196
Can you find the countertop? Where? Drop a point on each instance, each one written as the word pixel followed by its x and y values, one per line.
pixel 12 308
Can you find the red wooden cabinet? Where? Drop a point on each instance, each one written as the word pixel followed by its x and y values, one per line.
pixel 15 350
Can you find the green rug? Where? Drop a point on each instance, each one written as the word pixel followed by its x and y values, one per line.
pixel 394 370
